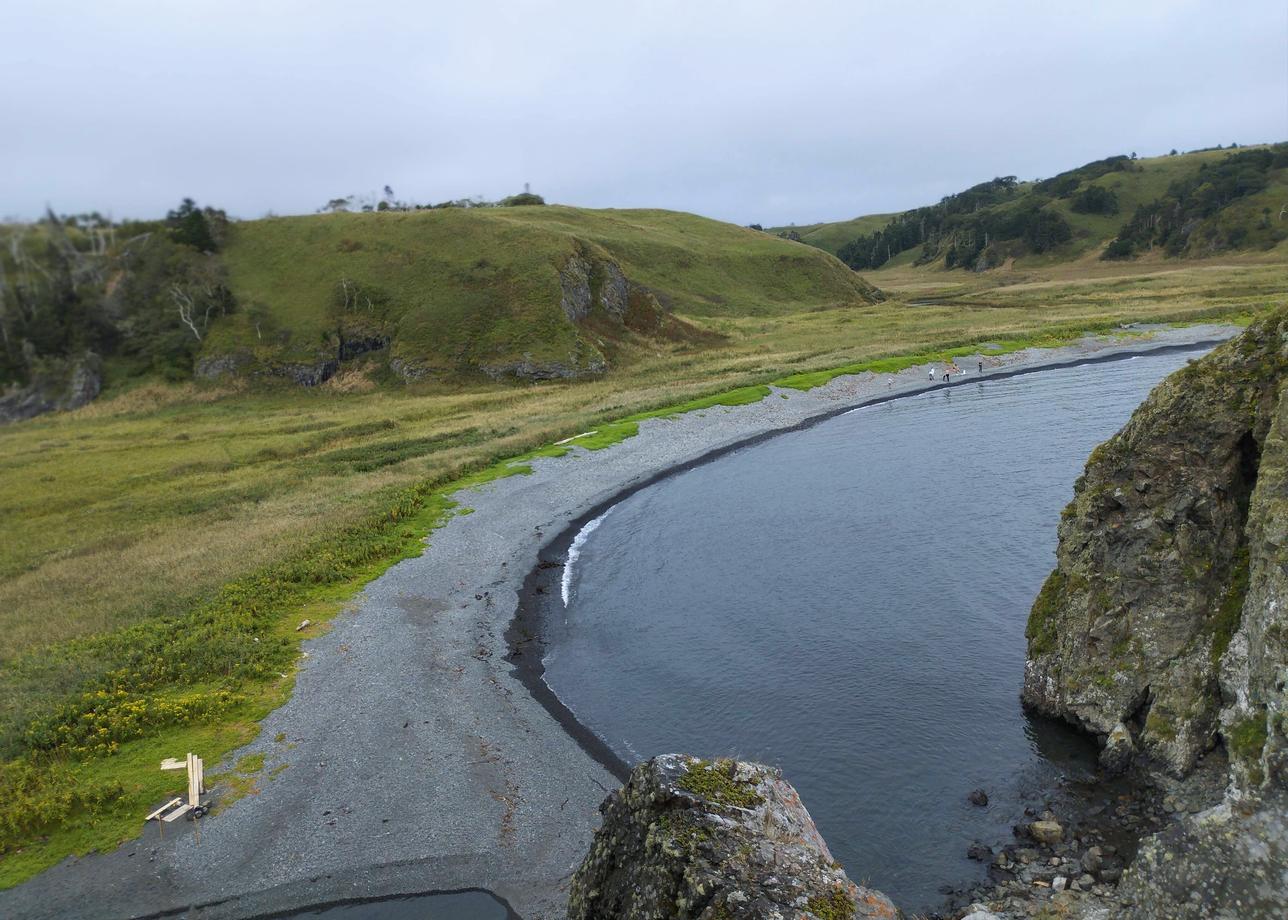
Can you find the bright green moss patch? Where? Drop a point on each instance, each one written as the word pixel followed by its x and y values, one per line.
pixel 251 763
pixel 835 906
pixel 1041 629
pixel 713 780
pixel 1247 738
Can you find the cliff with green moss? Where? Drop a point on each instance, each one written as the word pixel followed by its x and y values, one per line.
pixel 1130 634
pixel 1164 628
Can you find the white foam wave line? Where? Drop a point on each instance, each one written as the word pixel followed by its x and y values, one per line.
pixel 574 552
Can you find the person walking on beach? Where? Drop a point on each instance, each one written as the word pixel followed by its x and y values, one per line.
pixel 932 373
pixel 981 367
pixel 947 374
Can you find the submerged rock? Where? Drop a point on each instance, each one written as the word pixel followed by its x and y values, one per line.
pixel 715 840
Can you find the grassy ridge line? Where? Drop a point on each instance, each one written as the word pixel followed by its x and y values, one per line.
pixel 90 768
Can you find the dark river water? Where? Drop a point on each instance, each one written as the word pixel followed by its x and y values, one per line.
pixel 848 602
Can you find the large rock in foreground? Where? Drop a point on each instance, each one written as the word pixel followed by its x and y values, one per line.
pixel 713 840
pixel 1128 634
pixel 1228 863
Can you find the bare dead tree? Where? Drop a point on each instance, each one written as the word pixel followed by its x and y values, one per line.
pixel 187 307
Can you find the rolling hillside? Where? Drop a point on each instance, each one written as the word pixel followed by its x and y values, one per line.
pixel 1192 205
pixel 538 291
pixel 831 237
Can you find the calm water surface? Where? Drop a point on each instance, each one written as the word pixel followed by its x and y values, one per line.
pixel 848 603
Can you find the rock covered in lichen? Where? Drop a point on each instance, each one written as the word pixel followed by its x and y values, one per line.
pixel 713 840
pixel 1228 863
pixel 1128 633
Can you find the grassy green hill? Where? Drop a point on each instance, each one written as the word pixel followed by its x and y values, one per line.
pixel 458 290
pixel 1077 214
pixel 830 237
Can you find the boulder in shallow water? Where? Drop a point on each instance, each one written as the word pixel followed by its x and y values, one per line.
pixel 1048 832
pixel 713 840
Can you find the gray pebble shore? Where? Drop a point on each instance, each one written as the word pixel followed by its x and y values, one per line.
pixel 415 760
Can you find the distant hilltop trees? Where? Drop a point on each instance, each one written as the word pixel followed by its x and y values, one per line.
pixel 1189 213
pixel 143 293
pixel 980 228
pixel 387 201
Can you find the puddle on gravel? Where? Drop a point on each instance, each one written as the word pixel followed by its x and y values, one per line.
pixel 456 905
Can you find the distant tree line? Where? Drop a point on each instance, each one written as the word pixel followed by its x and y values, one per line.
pixel 1191 206
pixel 387 201
pixel 974 228
pixel 141 292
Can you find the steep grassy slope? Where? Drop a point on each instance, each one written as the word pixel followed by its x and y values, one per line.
pixel 457 290
pixel 1252 220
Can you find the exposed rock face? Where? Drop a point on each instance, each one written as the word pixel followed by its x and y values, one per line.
pixel 1127 636
pixel 55 387
pixel 588 282
pixel 584 360
pixel 1165 626
pixel 212 367
pixel 1254 671
pixel 306 375
pixel 689 839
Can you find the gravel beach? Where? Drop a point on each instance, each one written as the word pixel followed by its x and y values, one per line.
pixel 416 756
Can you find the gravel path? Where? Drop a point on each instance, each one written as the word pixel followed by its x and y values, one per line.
pixel 416 759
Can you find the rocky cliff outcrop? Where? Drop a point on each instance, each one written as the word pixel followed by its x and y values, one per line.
pixel 1128 635
pixel 690 839
pixel 588 282
pixel 56 385
pixel 1164 628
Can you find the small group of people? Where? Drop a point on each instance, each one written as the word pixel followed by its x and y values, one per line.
pixel 950 369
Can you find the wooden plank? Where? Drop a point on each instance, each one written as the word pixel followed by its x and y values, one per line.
pixel 163 809
pixel 177 813
pixel 194 796
pixel 173 763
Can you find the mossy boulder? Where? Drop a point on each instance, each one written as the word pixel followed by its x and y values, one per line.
pixel 1155 560
pixel 695 839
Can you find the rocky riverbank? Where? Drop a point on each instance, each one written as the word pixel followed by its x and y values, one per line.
pixel 1070 854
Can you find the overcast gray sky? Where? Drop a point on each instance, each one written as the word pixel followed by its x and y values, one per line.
pixel 765 110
